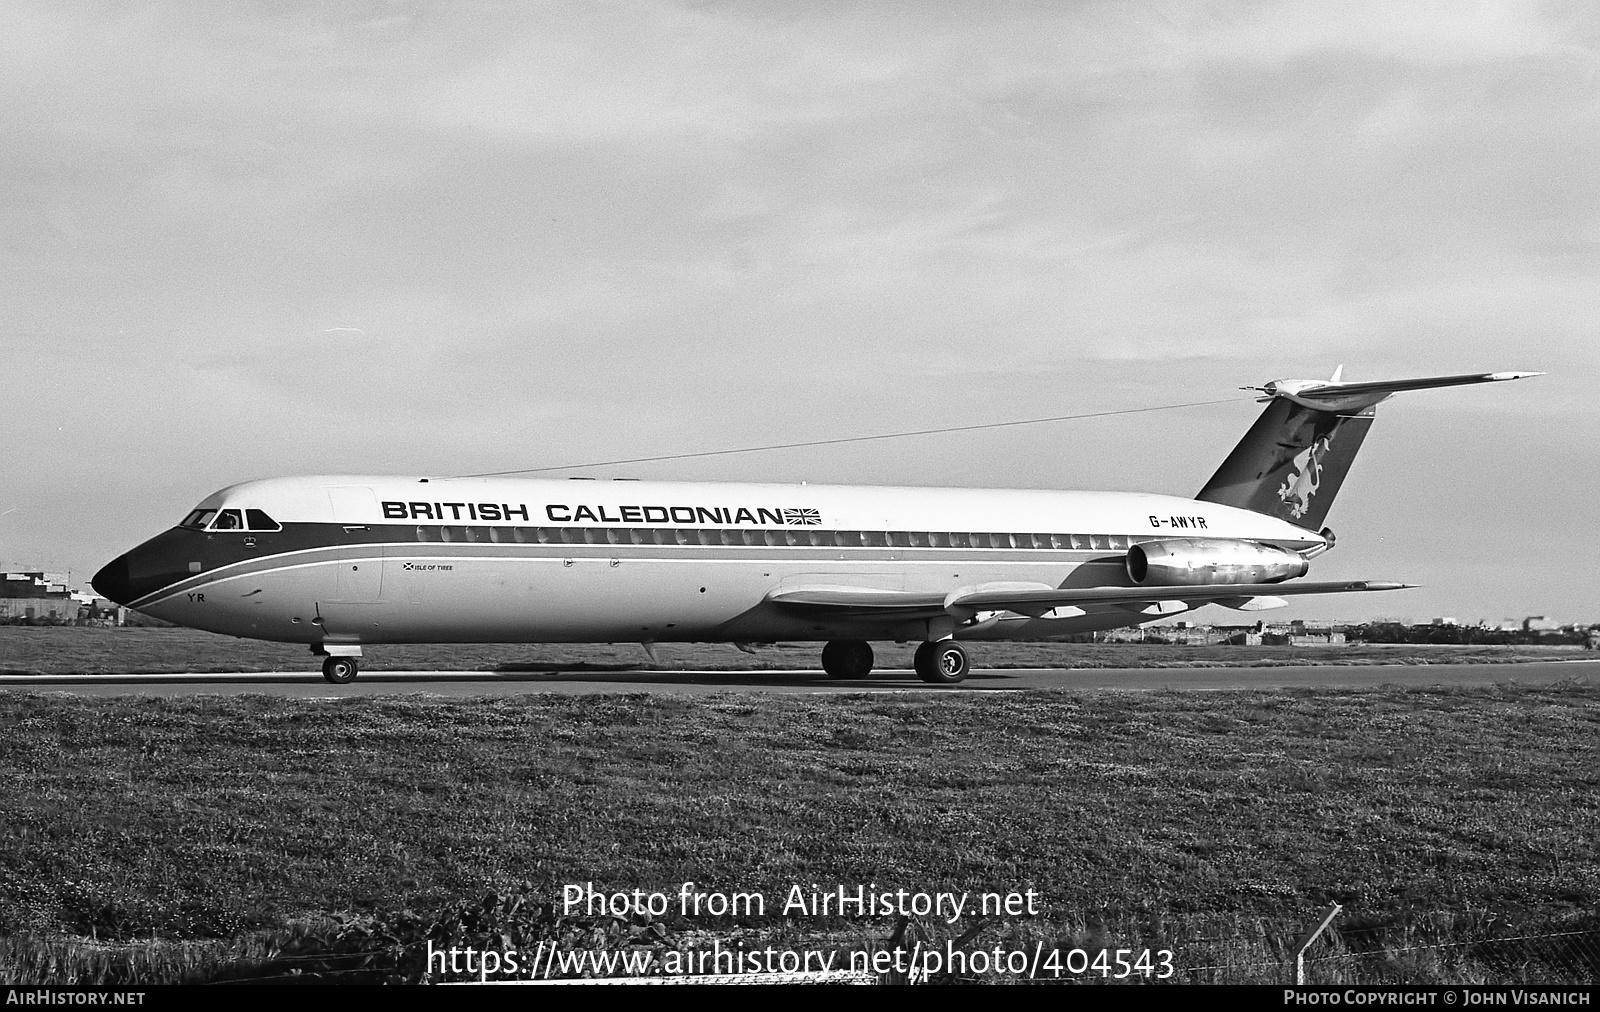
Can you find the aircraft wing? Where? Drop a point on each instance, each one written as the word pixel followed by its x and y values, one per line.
pixel 1038 598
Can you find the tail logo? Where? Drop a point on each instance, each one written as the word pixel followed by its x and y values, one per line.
pixel 1301 485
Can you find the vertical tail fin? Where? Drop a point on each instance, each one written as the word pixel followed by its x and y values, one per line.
pixel 1295 457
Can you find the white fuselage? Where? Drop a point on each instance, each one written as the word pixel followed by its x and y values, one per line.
pixel 388 560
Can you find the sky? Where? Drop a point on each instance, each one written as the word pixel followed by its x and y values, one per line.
pixel 249 240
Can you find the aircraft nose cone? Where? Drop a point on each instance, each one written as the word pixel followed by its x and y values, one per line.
pixel 112 581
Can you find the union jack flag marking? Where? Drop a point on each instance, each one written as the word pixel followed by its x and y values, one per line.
pixel 803 518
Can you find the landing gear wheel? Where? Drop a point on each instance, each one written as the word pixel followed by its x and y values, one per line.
pixel 847 659
pixel 942 663
pixel 339 670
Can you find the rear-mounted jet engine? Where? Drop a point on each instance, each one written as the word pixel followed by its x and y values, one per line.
pixel 1189 562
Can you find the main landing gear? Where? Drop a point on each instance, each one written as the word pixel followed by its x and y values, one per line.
pixel 942 663
pixel 847 659
pixel 339 670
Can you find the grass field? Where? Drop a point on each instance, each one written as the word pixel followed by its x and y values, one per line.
pixel 204 832
pixel 61 650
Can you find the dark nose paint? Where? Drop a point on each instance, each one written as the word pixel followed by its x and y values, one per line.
pixel 111 582
pixel 159 562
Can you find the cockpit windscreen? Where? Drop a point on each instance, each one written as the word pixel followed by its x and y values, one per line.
pixel 230 520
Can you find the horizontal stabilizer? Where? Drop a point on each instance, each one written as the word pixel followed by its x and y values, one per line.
pixel 1337 395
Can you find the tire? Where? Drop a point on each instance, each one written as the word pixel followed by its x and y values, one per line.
pixel 339 670
pixel 847 659
pixel 942 663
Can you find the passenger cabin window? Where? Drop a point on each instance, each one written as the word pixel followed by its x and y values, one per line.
pixel 780 537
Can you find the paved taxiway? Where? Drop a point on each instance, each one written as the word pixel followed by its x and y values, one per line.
pixel 577 681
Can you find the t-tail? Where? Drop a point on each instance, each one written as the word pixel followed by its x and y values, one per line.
pixel 1295 457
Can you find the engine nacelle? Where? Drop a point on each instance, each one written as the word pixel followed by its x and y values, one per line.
pixel 1195 562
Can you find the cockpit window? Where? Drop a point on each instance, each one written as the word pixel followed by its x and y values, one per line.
pixel 238 520
pixel 259 521
pixel 230 520
pixel 198 519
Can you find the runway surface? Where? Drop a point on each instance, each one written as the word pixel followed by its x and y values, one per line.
pixel 577 681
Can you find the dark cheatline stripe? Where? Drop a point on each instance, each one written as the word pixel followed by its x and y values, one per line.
pixel 181 556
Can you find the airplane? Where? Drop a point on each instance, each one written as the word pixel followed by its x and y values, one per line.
pixel 341 562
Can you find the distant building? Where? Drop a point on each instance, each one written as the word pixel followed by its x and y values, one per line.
pixel 1538 623
pixel 34 597
pixel 1240 636
pixel 44 598
pixel 1185 634
pixel 1300 633
pixel 1319 638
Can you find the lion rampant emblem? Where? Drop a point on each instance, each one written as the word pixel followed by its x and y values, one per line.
pixel 1301 485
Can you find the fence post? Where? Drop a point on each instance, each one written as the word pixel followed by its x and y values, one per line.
pixel 1306 939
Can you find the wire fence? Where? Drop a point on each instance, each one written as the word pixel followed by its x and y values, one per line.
pixel 1399 953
